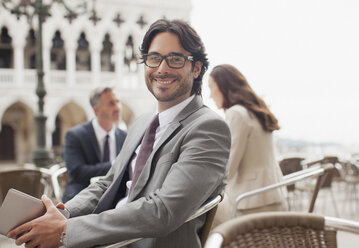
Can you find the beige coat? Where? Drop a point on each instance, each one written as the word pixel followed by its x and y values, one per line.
pixel 252 165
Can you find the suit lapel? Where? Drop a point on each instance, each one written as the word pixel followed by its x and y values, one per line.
pixel 142 180
pixel 193 106
pixel 133 140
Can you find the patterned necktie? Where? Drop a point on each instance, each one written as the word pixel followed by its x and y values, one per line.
pixel 106 150
pixel 145 149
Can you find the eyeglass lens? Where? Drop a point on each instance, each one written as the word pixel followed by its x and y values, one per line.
pixel 174 61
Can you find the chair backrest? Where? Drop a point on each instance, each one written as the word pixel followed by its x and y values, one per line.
pixel 331 174
pixel 59 180
pixel 26 180
pixel 207 226
pixel 280 229
pixel 291 165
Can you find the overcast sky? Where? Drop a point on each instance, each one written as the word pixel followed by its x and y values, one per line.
pixel 302 57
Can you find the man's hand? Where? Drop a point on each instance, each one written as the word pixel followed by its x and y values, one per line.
pixel 44 232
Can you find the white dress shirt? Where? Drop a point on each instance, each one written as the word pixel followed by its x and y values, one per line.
pixel 165 119
pixel 101 138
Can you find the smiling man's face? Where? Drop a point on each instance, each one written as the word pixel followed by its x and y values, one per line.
pixel 170 86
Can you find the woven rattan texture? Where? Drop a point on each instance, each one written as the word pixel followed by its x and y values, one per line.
pixel 278 237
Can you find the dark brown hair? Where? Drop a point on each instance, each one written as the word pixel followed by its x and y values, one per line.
pixel 236 90
pixel 189 40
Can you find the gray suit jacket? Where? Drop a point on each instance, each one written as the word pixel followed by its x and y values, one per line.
pixel 186 168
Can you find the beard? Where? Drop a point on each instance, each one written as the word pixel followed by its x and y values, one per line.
pixel 184 87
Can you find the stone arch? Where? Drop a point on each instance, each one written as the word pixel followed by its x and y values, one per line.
pixel 83 54
pixel 28 103
pixel 57 52
pixel 19 118
pixel 69 115
pixel 8 21
pixel 107 53
pixel 7 143
pixel 30 50
pixel 6 48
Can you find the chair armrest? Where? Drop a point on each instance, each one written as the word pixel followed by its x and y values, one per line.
pixel 214 241
pixel 340 224
pixel 288 180
pixel 56 184
pixel 202 210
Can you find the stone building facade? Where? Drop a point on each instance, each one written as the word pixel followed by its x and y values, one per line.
pixel 97 48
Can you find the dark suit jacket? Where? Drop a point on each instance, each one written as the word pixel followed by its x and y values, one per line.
pixel 83 157
pixel 186 167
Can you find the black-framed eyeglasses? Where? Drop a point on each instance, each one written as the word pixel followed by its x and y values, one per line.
pixel 173 60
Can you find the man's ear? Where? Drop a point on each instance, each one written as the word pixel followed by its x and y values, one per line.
pixel 197 68
pixel 95 109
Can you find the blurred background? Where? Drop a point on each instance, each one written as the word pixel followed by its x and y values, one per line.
pixel 302 57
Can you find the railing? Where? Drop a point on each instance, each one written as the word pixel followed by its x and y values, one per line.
pixel 30 76
pixel 7 76
pixel 58 77
pixel 83 77
pixel 108 77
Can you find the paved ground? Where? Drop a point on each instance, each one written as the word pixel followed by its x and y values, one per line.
pixel 341 203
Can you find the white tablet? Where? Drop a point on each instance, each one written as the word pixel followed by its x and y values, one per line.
pixel 18 208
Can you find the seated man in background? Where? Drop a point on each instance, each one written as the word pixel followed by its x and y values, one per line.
pixel 155 184
pixel 90 147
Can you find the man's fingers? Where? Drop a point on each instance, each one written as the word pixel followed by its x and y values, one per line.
pixel 19 230
pixel 47 202
pixel 30 244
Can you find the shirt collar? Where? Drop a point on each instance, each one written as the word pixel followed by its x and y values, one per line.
pixel 170 114
pixel 100 132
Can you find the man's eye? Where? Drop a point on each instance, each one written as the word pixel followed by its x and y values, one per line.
pixel 154 58
pixel 176 59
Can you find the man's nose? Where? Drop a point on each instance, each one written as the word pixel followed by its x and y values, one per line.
pixel 163 66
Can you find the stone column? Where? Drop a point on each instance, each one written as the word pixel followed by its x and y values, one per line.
pixel 119 48
pixel 47 64
pixel 19 44
pixel 70 47
pixel 95 50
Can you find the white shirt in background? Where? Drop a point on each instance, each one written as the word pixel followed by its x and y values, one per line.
pixel 101 138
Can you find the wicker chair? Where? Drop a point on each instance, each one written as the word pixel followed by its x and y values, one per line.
pixel 29 181
pixel 280 229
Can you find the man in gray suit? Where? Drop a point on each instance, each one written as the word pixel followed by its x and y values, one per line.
pixel 186 167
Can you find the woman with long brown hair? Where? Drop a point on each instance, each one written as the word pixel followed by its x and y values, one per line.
pixel 252 163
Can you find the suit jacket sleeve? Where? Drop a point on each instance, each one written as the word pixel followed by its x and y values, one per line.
pixel 240 131
pixel 196 171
